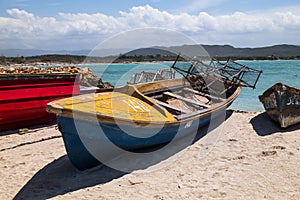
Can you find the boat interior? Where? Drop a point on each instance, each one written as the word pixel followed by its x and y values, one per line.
pixel 183 97
pixel 186 100
pixel 202 87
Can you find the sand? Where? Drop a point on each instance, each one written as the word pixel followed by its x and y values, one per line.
pixel 247 157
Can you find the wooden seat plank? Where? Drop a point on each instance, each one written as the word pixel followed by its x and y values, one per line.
pixel 186 100
pixel 203 94
pixel 168 106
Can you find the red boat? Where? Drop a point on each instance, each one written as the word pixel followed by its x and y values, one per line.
pixel 23 97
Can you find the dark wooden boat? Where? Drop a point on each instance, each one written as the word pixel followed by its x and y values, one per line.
pixel 282 104
pixel 97 127
pixel 23 97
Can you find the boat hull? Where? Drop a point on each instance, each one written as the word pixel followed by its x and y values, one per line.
pixel 86 141
pixel 23 98
pixel 282 104
pixel 98 128
pixel 284 118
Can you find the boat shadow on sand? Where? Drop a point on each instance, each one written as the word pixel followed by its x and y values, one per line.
pixel 60 177
pixel 264 125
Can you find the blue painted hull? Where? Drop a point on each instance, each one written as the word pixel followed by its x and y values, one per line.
pixel 89 143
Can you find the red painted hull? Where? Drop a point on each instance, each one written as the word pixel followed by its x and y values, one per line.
pixel 23 98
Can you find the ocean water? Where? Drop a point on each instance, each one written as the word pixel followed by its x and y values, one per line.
pixel 285 71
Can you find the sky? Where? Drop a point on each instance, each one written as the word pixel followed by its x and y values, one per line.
pixel 78 24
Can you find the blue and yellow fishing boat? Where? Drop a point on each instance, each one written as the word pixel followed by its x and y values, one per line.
pixel 95 126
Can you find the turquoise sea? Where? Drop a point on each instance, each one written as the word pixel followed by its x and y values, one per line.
pixel 285 71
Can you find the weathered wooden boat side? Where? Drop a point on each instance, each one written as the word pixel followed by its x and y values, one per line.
pixel 282 104
pixel 23 97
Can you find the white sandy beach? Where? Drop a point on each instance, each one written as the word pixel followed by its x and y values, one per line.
pixel 252 158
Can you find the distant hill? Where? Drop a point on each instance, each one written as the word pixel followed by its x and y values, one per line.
pixel 149 54
pixel 281 51
pixel 272 51
pixel 38 52
pixel 223 51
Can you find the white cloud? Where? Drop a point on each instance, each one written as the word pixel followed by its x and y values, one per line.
pixel 287 20
pixel 81 30
pixel 26 24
